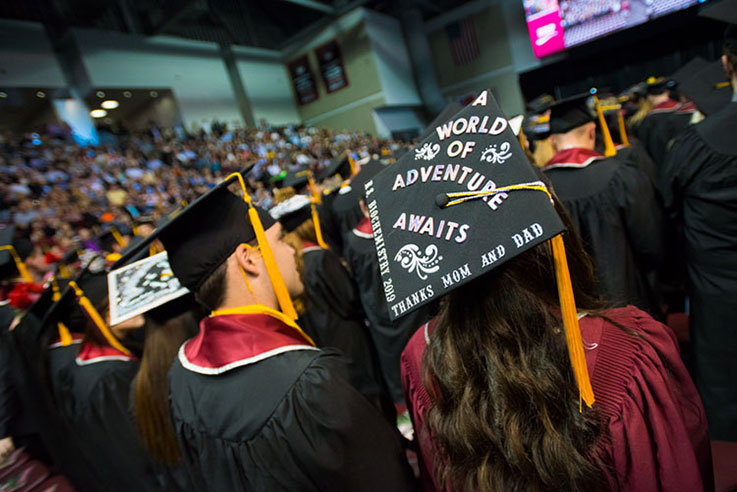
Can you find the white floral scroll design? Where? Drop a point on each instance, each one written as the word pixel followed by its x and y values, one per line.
pixel 427 152
pixel 411 258
pixel 496 156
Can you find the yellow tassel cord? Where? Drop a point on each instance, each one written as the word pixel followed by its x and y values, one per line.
pixel 91 311
pixel 118 237
pixel 622 128
pixel 521 138
pixel 64 271
pixel 135 230
pixel 277 282
pixel 570 322
pixel 565 291
pixel 64 336
pixel 354 166
pixel 609 150
pixel 722 85
pixel 22 269
pixel 261 309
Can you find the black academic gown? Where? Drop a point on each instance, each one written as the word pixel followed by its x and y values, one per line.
pixel 92 392
pixel 389 337
pixel 699 186
pixel 614 209
pixel 256 408
pixel 659 127
pixel 333 317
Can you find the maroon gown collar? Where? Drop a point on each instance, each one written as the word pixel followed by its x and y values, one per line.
pixel 228 341
pixel 576 157
pixel 363 229
pixel 308 246
pixel 665 107
pixel 92 353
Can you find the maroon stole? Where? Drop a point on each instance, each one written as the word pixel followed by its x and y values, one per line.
pixel 237 337
pixel 92 353
pixel 575 158
pixel 363 229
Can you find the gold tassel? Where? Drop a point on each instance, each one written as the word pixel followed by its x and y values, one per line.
pixel 118 238
pixel 570 322
pixel 277 282
pixel 622 128
pixel 19 264
pixel 94 315
pixel 354 166
pixel 609 150
pixel 64 336
pixel 318 229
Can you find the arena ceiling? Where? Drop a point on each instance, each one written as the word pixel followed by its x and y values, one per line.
pixel 260 23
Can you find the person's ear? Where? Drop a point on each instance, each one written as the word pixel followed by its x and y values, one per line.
pixel 248 259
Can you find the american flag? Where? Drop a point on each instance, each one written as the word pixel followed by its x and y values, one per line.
pixel 464 46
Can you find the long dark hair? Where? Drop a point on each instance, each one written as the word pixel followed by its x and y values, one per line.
pixel 505 407
pixel 166 329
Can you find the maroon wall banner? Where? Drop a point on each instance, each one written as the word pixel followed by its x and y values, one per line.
pixel 330 61
pixel 302 80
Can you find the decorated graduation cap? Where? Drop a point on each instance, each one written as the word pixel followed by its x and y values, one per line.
pixel 142 286
pixel 292 212
pixel 207 231
pixel 442 218
pixel 708 88
pixel 724 11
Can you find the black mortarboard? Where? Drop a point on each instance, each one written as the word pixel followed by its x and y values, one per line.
pixel 657 85
pixel 540 104
pixel 708 88
pixel 688 70
pixel 296 178
pixel 570 113
pixel 724 11
pixel 340 165
pixel 442 218
pixel 446 114
pixel 292 212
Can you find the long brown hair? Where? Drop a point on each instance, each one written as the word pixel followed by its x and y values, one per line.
pixel 166 329
pixel 505 407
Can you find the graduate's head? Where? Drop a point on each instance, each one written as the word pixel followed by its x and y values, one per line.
pixel 214 250
pixel 657 89
pixel 572 124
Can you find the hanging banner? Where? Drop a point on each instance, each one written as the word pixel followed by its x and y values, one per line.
pixel 330 61
pixel 302 80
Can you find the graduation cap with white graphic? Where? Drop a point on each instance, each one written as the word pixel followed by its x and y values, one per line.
pixel 465 201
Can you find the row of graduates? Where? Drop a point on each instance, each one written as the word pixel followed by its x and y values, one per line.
pixel 656 209
pixel 249 402
pixel 94 399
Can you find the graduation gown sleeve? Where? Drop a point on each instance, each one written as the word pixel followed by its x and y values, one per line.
pixel 656 435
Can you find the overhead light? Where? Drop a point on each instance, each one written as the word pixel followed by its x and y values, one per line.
pixel 154 94
pixel 41 94
pixel 100 94
pixel 127 94
pixel 98 113
pixel 3 95
pixel 110 104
